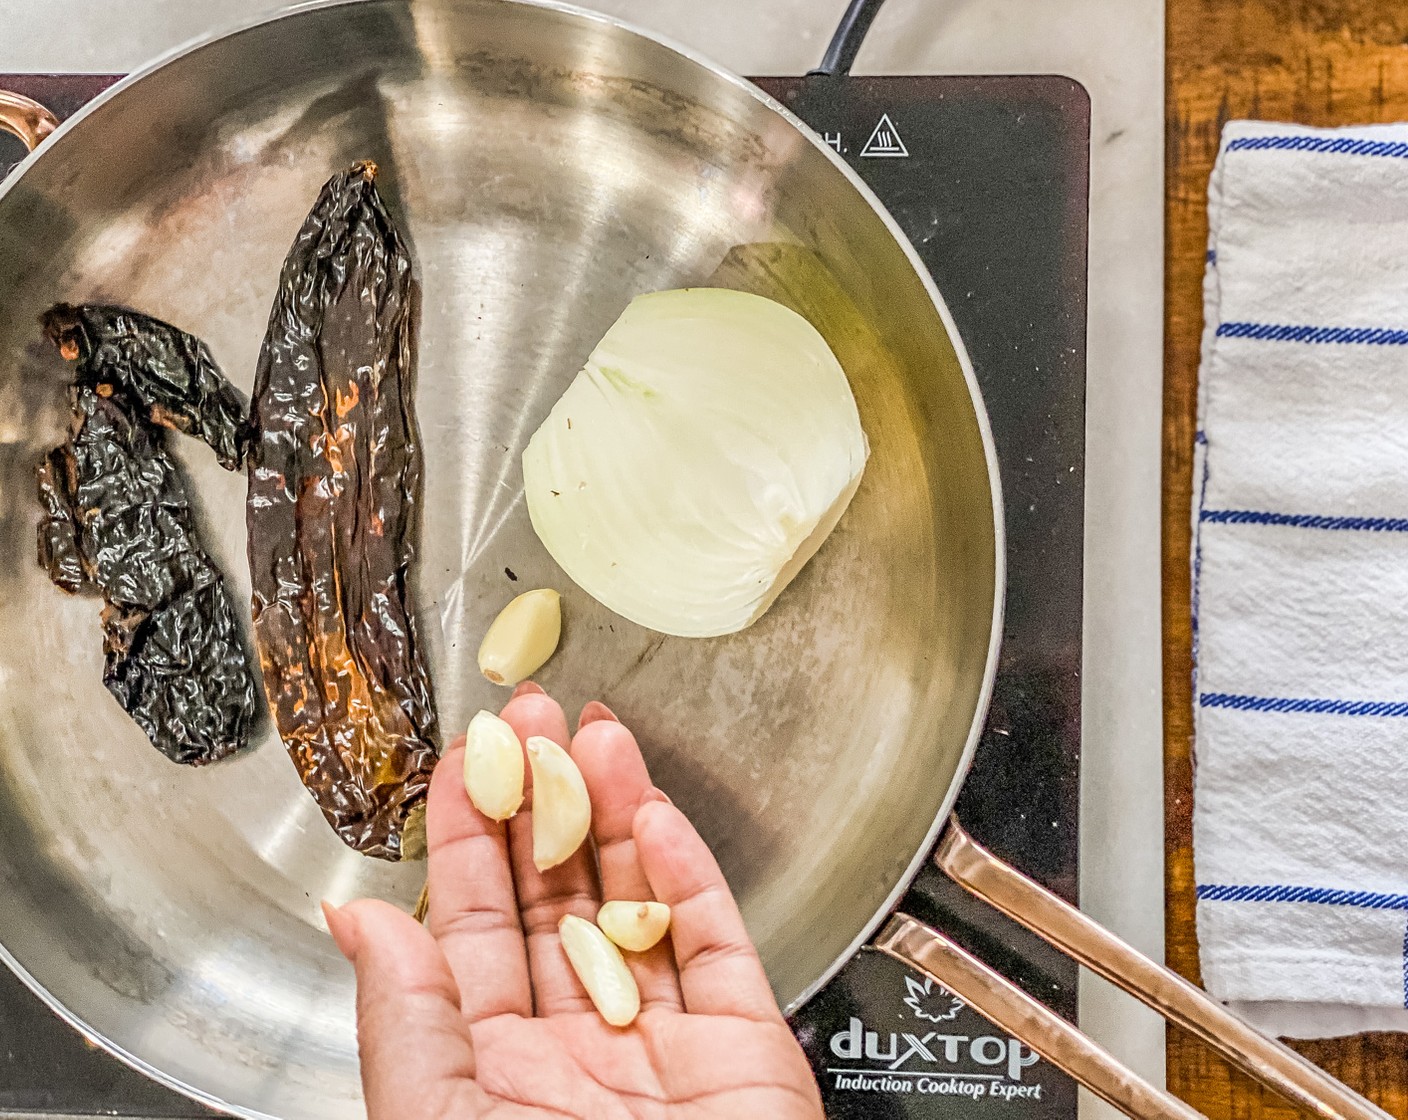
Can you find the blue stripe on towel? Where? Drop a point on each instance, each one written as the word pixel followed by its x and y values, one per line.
pixel 1334 145
pixel 1288 332
pixel 1304 520
pixel 1327 896
pixel 1305 705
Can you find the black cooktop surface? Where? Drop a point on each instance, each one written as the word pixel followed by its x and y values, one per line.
pixel 989 179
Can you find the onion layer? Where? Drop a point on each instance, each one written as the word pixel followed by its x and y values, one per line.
pixel 697 462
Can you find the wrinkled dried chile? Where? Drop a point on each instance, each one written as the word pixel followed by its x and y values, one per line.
pixel 334 474
pixel 118 520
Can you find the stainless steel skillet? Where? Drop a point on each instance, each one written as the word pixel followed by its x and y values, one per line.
pixel 549 164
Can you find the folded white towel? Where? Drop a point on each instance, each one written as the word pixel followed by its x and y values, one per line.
pixel 1300 580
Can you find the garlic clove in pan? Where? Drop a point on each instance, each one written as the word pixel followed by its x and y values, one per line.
pixel 562 812
pixel 636 926
pixel 601 969
pixel 493 767
pixel 521 639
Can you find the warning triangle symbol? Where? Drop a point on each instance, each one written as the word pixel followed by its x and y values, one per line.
pixel 885 140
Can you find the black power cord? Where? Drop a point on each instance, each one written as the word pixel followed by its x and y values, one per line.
pixel 845 44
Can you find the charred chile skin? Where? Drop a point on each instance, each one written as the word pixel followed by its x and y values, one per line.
pixel 334 470
pixel 118 521
pixel 169 376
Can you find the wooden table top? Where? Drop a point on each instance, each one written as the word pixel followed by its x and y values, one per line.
pixel 1319 62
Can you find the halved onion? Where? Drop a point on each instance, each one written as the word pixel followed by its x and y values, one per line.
pixel 697 462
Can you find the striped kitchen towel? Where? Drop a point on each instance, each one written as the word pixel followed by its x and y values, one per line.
pixel 1300 580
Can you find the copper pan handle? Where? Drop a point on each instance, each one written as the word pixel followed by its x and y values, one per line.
pixel 27 119
pixel 981 873
pixel 999 1000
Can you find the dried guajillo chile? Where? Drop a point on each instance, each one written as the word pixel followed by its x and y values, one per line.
pixel 118 520
pixel 334 468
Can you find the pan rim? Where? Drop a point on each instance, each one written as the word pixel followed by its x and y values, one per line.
pixel 701 60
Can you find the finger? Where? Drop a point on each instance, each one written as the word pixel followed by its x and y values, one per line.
pixel 595 710
pixel 545 896
pixel 720 973
pixel 473 909
pixel 618 784
pixel 405 991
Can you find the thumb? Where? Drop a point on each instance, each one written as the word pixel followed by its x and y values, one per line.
pixel 416 1050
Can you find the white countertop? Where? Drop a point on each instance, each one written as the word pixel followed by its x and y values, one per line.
pixel 1115 49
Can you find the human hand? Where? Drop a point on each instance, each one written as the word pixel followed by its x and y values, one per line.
pixel 481 1016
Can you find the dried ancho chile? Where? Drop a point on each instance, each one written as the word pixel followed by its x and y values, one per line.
pixel 118 521
pixel 334 472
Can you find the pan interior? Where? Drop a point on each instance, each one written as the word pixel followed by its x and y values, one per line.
pixel 549 167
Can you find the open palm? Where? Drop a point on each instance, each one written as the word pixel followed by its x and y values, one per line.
pixel 481 1016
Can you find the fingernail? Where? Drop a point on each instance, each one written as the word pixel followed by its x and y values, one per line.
pixel 594 711
pixel 654 793
pixel 528 688
pixel 346 933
